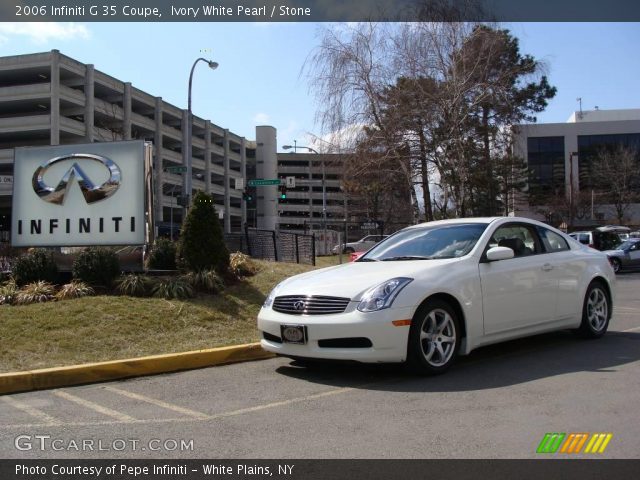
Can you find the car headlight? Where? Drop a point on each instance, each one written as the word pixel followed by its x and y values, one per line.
pixel 382 296
pixel 272 295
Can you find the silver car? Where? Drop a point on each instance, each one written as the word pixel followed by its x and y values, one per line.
pixel 361 245
pixel 627 255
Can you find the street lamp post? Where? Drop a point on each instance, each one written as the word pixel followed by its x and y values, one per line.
pixel 324 188
pixel 189 181
pixel 173 189
pixel 571 187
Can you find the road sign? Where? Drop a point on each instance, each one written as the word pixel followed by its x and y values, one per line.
pixel 239 183
pixel 291 182
pixel 369 226
pixel 176 169
pixel 261 182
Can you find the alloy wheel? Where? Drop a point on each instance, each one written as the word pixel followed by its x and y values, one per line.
pixel 438 338
pixel 597 309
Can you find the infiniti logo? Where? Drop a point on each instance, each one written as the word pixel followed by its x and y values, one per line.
pixel 91 192
pixel 299 305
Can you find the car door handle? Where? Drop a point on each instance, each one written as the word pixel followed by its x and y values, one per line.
pixel 547 266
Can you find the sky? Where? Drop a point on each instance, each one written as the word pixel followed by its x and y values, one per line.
pixel 261 80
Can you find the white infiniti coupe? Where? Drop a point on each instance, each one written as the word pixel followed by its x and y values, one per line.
pixel 436 290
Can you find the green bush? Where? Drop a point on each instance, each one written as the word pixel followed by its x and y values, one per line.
pixel 96 266
pixel 36 292
pixel 241 265
pixel 135 285
pixel 74 289
pixel 162 255
pixel 207 281
pixel 36 265
pixel 8 293
pixel 201 245
pixel 174 287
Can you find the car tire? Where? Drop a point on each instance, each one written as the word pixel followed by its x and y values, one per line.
pixel 434 338
pixel 615 263
pixel 596 311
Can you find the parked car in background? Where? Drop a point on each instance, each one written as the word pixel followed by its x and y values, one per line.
pixel 436 290
pixel 585 237
pixel 361 245
pixel 627 255
pixel 602 238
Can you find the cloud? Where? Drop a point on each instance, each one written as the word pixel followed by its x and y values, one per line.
pixel 262 118
pixel 40 33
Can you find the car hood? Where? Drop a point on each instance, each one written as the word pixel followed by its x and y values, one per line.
pixel 353 279
pixel 615 253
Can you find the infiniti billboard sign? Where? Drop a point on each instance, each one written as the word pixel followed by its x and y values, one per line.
pixel 76 195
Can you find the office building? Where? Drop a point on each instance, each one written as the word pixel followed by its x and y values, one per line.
pixel 562 161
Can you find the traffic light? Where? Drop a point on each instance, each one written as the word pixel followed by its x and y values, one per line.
pixel 246 196
pixel 283 192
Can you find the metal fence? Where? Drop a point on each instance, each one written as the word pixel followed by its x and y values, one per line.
pixel 270 245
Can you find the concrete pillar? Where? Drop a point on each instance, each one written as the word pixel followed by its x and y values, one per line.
pixel 243 172
pixel 207 156
pixel 227 192
pixel 157 160
pixel 267 167
pixel 89 103
pixel 55 98
pixel 126 106
pixel 311 194
pixel 185 160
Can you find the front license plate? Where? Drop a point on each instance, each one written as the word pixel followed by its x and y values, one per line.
pixel 294 334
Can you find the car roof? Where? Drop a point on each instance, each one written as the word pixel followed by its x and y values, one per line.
pixel 614 228
pixel 457 221
pixel 481 220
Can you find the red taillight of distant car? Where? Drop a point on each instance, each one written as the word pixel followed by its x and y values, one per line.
pixel 355 255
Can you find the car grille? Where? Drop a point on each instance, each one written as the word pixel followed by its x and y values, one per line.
pixel 356 342
pixel 310 305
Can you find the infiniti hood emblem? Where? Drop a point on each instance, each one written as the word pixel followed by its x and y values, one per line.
pixel 91 192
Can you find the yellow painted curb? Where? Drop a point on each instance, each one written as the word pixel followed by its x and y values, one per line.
pixel 130 367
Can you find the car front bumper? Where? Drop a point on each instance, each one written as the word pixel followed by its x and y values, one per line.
pixel 388 341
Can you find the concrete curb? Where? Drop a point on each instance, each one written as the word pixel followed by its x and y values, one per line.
pixel 130 367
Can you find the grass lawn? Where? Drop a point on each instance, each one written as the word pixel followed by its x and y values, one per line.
pixel 104 327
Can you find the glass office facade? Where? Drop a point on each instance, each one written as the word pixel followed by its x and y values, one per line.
pixel 546 166
pixel 590 146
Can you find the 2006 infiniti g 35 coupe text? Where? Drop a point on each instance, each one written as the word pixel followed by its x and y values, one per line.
pixel 439 289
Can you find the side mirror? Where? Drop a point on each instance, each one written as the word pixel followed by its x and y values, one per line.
pixel 499 253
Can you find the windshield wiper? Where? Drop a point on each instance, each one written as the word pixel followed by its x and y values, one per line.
pixel 366 260
pixel 406 257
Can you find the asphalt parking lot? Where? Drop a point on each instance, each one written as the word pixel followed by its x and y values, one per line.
pixel 496 403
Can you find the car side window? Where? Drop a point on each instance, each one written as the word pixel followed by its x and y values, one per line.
pixel 581 237
pixel 552 241
pixel 519 238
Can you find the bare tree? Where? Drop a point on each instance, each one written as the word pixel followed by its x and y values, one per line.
pixel 356 75
pixel 616 176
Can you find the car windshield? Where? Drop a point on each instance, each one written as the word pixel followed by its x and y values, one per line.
pixel 426 243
